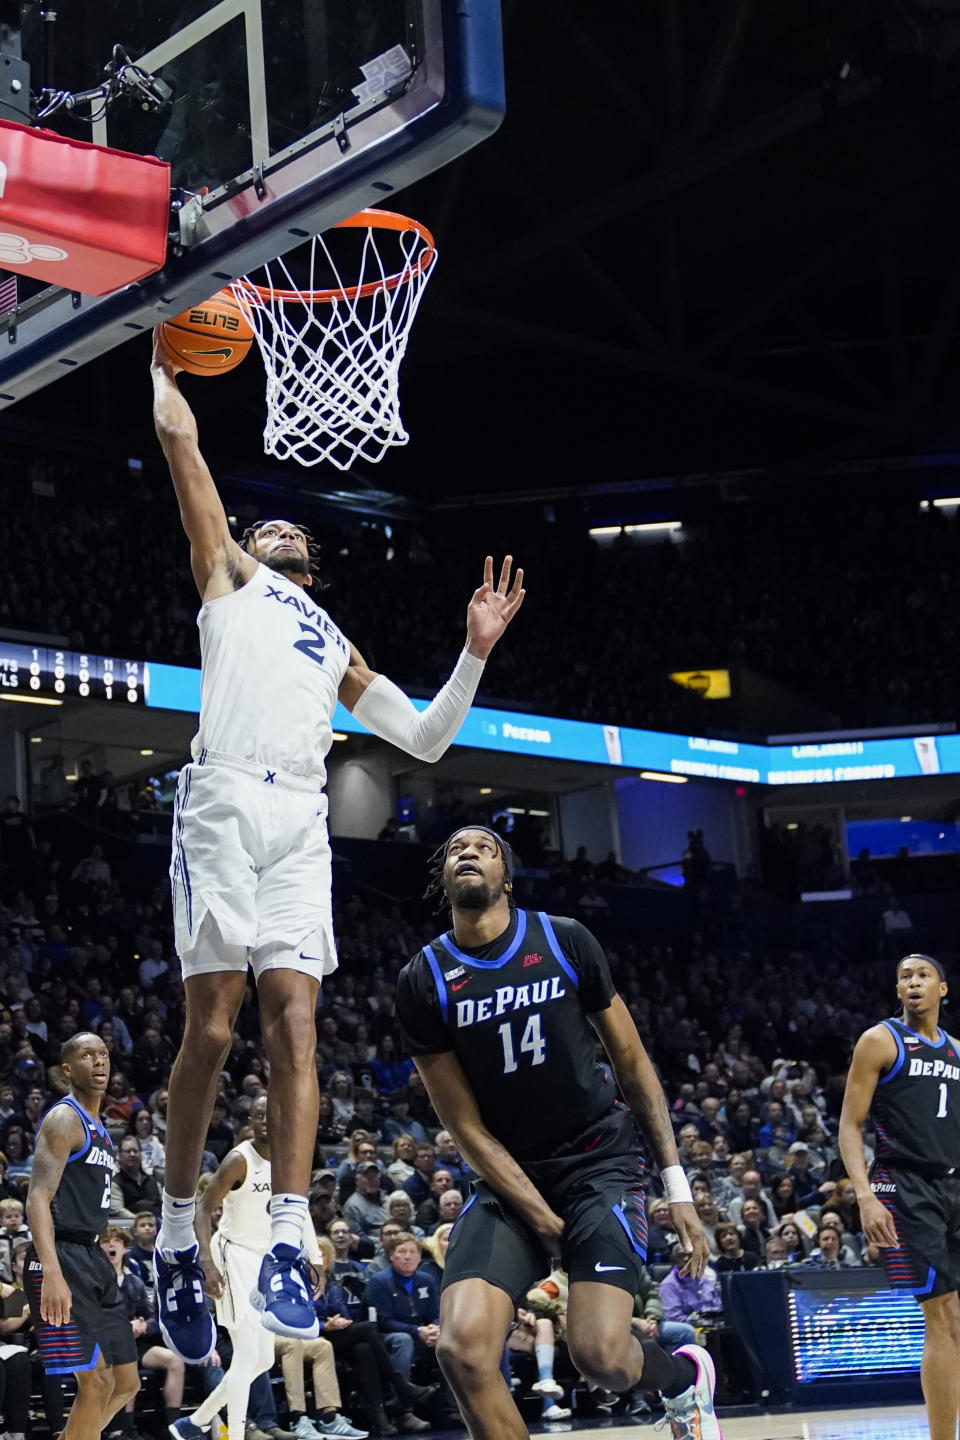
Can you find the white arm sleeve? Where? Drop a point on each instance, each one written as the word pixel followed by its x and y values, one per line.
pixel 427 734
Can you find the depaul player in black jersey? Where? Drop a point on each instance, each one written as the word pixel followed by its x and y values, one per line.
pixel 81 1326
pixel 906 1073
pixel 502 1015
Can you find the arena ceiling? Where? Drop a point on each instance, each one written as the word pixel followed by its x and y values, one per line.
pixel 706 238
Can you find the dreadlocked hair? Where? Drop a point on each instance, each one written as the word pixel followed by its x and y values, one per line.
pixel 313 550
pixel 435 864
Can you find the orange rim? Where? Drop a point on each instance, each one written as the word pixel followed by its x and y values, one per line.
pixel 364 219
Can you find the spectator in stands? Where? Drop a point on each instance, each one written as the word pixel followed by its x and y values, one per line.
pixel 687 1296
pixel 419 1186
pixel 751 1188
pixel 783 1196
pixel 732 1255
pixel 450 1206
pixel 152 1154
pixel 450 1158
pixel 775 1253
pixel 402 1165
pixel 806 1177
pixel 406 1303
pixel 371 1350
pixel 400 1209
pixel 365 1209
pixel 360 1150
pixel 19 1153
pixel 706 1208
pixel 661 1237
pixel 434 1254
pixel 340 1089
pixel 326 1418
pixel 119 1103
pixel 849 1253
pixel 390 1071
pixel 399 1123
pixel 428 1213
pixel 133 1189
pixel 827 1254
pixel 740 1126
pixel 353 1253
pixel 844 1201
pixel 328 1131
pixel 896 928
pixel 221 1135
pixel 13 1228
pixel 754 1231
pixel 139 1256
pixel 389 1230
pixel 649 1317
pixel 795 1241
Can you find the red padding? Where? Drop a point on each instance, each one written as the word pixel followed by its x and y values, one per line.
pixel 79 215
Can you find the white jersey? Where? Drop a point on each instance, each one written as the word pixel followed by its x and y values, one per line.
pixel 271 666
pixel 246 1210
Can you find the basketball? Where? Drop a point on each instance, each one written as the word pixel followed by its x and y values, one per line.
pixel 208 339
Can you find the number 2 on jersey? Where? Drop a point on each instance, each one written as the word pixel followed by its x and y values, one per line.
pixel 531 1042
pixel 314 647
pixel 942 1112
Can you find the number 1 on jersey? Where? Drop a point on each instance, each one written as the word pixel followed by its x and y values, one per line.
pixel 942 1112
pixel 531 1042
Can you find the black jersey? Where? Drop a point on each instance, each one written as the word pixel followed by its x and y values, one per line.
pixel 515 1014
pixel 81 1205
pixel 916 1106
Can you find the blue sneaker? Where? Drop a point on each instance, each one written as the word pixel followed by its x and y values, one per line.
pixel 184 1429
pixel 185 1322
pixel 283 1294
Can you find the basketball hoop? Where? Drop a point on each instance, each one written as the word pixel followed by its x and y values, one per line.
pixel 333 355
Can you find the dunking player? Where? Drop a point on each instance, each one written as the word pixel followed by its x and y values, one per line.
pixel 905 1072
pixel 251 859
pixel 502 1015
pixel 81 1326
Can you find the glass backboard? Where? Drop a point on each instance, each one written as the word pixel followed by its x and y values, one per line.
pixel 283 118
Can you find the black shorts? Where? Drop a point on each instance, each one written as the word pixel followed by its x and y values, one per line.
pixel 595 1183
pixel 98 1323
pixel 926 1212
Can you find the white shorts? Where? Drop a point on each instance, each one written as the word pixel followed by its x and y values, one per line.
pixel 251 870
pixel 240 1269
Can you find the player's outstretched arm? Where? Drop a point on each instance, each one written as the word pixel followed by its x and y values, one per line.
pixel 455 1103
pixel 644 1094
pixel 231 1172
pixel 217 562
pixel 427 734
pixel 60 1134
pixel 874 1052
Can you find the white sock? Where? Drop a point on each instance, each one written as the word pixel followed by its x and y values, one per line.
pixel 288 1215
pixel 545 1354
pixel 176 1223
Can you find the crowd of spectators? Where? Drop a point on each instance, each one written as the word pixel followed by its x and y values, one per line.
pixel 752 1044
pixel 808 605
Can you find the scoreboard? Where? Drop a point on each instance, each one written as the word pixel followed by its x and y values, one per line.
pixel 41 672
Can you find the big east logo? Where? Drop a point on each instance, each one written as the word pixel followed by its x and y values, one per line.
pixel 532 960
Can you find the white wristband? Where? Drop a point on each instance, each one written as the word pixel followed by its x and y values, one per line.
pixel 676 1188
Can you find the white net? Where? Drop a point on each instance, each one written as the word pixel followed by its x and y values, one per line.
pixel 332 345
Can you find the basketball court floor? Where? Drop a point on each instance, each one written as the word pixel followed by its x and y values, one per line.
pixel 888 1422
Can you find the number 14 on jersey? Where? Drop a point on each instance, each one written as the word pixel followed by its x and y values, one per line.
pixel 531 1043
